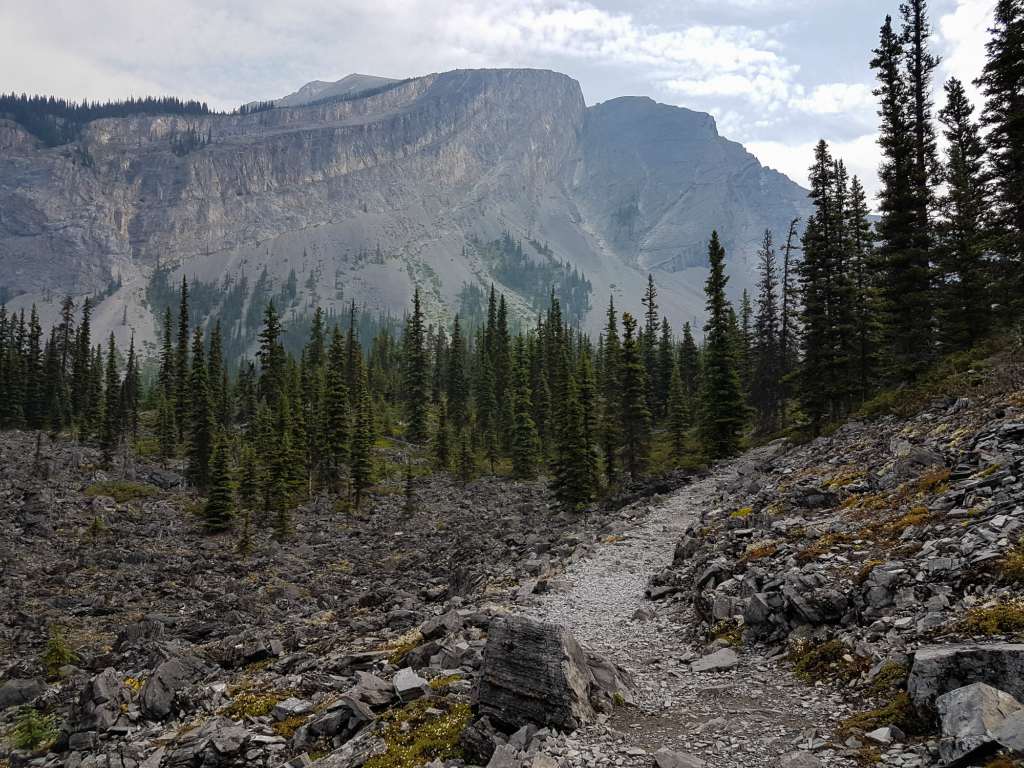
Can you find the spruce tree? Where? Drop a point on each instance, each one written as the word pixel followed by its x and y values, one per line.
pixel 272 357
pixel 442 439
pixel 110 432
pixel 766 394
pixel 866 309
pixel 634 416
pixel 722 414
pixel 337 429
pixel 416 374
pixel 220 503
pixel 362 441
pixel 200 436
pixel 1002 82
pixel 525 443
pixel 610 394
pixel 131 391
pixel 689 367
pixel 678 414
pixel 575 468
pixel 456 387
pixel 182 405
pixel 166 374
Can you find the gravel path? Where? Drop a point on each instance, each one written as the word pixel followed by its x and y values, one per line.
pixel 747 717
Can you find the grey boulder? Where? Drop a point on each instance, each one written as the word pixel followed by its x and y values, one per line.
pixel 16 692
pixel 971 717
pixel 669 758
pixel 719 661
pixel 940 669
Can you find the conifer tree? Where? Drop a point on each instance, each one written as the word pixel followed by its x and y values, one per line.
pixel 456 387
pixel 110 432
pixel 416 373
pixel 200 437
pixel 525 443
pixel 666 362
pixel 249 479
pixel 182 405
pixel 80 364
pixel 610 393
pixel 1002 82
pixel 466 459
pixel 865 291
pixel 220 503
pixel 166 374
pixel 788 312
pixel 634 416
pixel 362 441
pixel 965 296
pixel 689 367
pixel 722 409
pixel 442 437
pixel 338 432
pixel 271 357
pixel 575 468
pixel 678 414
pixel 766 395
pixel 93 420
pixel 648 340
pixel 131 391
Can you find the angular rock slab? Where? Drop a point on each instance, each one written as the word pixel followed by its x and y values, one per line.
pixel 719 661
pixel 939 669
pixel 971 717
pixel 538 673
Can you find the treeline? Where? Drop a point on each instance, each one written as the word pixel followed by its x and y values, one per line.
pixel 945 265
pixel 59 121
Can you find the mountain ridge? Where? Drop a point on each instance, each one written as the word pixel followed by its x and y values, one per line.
pixel 412 174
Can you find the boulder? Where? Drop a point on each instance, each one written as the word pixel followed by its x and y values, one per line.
pixel 371 690
pixel 439 626
pixel 669 758
pixel 100 702
pixel 157 697
pixel 479 740
pixel 970 717
pixel 355 751
pixel 799 760
pixel 939 669
pixel 219 742
pixel 16 692
pixel 538 673
pixel 719 661
pixel 409 685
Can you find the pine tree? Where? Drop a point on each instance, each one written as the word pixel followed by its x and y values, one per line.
pixel 689 367
pixel 338 433
pixel 32 371
pixel 249 481
pixel 219 399
pixel 456 387
pixel 678 414
pixel 362 441
pixel 1002 82
pixel 865 290
pixel 610 394
pixel 80 365
pixel 648 340
pixel 182 405
pixel 110 432
pixel 416 372
pixel 634 416
pixel 788 314
pixel 766 395
pixel 200 437
pixel 442 447
pixel 525 443
pixel 166 374
pixel 220 503
pixel 271 357
pixel 575 468
pixel 131 391
pixel 722 409
pixel 666 362
pixel 905 261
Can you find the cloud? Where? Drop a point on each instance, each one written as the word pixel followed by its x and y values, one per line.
pixel 963 34
pixel 836 98
pixel 861 156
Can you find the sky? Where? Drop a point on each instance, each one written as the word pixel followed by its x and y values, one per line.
pixel 777 74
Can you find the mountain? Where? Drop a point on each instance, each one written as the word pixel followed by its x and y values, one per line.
pixel 317 90
pixel 362 196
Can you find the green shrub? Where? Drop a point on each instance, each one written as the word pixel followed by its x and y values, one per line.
pixel 33 730
pixel 414 735
pixel 57 653
pixel 122 490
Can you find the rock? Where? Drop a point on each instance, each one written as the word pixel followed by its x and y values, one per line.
pixel 880 735
pixel 503 757
pixel 291 707
pixel 534 673
pixel 371 690
pixel 643 613
pixel 439 626
pixel 799 760
pixel 612 685
pixel 668 758
pixel 479 740
pixel 409 685
pixel 719 661
pixel 18 691
pixel 970 717
pixel 354 752
pixel 940 669
pixel 157 697
pixel 248 647
pixel 1010 734
pixel 217 742
pixel 100 702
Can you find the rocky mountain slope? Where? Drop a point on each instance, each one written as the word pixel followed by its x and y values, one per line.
pixel 853 600
pixel 364 196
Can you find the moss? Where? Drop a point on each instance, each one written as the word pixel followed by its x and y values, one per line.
pixel 988 471
pixel 1011 567
pixel 57 653
pixel 418 733
pixel 759 551
pixel 868 755
pixel 398 649
pixel 829 660
pixel 742 513
pixel 122 490
pixel 33 730
pixel 823 545
pixel 899 712
pixel 729 630
pixel 890 680
pixel 442 684
pixel 618 699
pixel 845 478
pixel 251 704
pixel 287 727
pixel 1005 617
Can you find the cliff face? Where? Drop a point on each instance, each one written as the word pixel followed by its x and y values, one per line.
pixel 411 173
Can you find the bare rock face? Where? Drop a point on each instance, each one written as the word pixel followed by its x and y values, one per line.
pixel 411 170
pixel 943 668
pixel 538 673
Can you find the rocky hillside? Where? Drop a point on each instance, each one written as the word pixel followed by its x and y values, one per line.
pixel 364 196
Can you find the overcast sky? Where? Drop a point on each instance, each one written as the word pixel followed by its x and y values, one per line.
pixel 777 74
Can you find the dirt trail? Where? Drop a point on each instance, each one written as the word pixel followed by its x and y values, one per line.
pixel 748 716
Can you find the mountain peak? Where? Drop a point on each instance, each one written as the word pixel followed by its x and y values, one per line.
pixel 316 90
